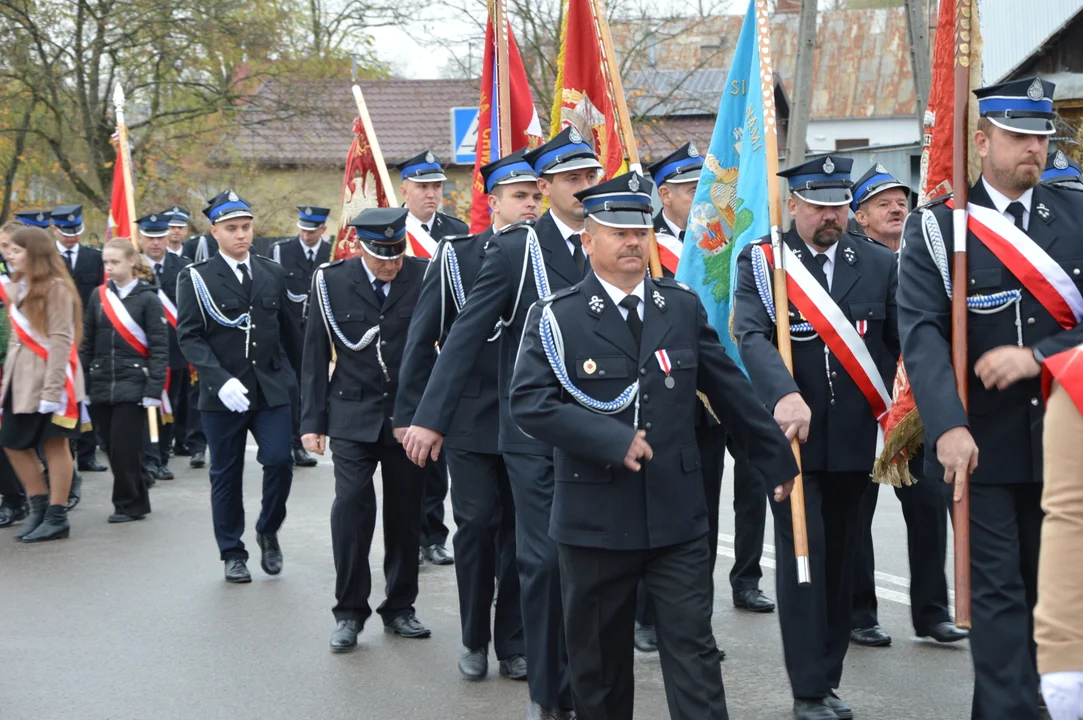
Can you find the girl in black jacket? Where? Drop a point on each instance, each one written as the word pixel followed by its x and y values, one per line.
pixel 125 350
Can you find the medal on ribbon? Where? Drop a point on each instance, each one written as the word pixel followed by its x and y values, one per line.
pixel 663 362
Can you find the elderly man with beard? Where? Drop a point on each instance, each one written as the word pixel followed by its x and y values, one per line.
pixel 845 347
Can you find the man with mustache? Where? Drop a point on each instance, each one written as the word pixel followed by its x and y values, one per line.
pixel 880 205
pixel 845 346
pixel 1023 285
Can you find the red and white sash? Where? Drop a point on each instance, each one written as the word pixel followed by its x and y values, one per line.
pixel 69 415
pixel 669 250
pixel 839 334
pixel 129 329
pixel 422 243
pixel 169 308
pixel 1041 275
pixel 1067 369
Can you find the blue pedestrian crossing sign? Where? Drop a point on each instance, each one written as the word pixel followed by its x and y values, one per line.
pixel 464 135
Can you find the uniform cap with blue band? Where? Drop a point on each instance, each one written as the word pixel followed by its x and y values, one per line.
pixel 310 217
pixel 68 219
pixel 507 170
pixel 823 181
pixel 381 231
pixel 681 166
pixel 1061 169
pixel 567 151
pixel 155 225
pixel 227 205
pixel 623 202
pixel 1021 106
pixel 422 168
pixel 35 218
pixel 876 180
pixel 178 216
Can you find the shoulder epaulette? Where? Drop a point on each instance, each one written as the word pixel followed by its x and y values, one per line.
pixel 200 262
pixel 1073 187
pixel 332 264
pixel 514 226
pixel 672 283
pixel 939 200
pixel 869 240
pixel 562 293
pixel 457 238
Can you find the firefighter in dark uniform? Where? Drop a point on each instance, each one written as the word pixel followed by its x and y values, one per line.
pixel 197 248
pixel 361 309
pixel 480 489
pixel 551 254
pixel 1011 328
pixel 180 378
pixel 823 406
pixel 607 373
pixel 1062 170
pixel 299 256
pixel 422 190
pixel 233 328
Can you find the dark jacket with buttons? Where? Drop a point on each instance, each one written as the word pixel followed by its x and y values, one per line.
pixel 357 402
pixel 477 417
pixel 1006 424
pixel 89 271
pixel 218 352
pixel 116 372
pixel 293 259
pixel 842 435
pixel 597 501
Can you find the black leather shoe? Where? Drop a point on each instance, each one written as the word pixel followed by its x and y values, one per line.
pixel 119 517
pixel 11 514
pixel 944 632
pixel 514 667
pixel 271 559
pixel 645 639
pixel 408 626
pixel 438 555
pixel 874 636
pixel 474 664
pixel 301 458
pixel 753 600
pixel 534 711
pixel 721 652
pixel 161 472
pixel 75 494
pixel 237 571
pixel 837 706
pixel 36 516
pixel 812 709
pixel 344 638
pixel 92 465
pixel 181 451
pixel 54 527
pixel 199 459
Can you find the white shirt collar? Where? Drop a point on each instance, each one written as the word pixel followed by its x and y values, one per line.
pixel 830 252
pixel 413 223
pixel 1001 201
pixel 247 260
pixel 676 231
pixel 565 231
pixel 372 277
pixel 305 248
pixel 126 290
pixel 616 295
pixel 178 252
pixel 62 249
pixel 151 262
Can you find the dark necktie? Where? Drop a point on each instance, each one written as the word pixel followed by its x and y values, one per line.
pixel 1016 210
pixel 378 286
pixel 311 255
pixel 158 271
pixel 821 260
pixel 680 236
pixel 425 227
pixel 246 279
pixel 577 253
pixel 631 303
pixel 71 259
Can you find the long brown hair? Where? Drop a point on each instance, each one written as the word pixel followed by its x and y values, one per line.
pixel 140 270
pixel 43 269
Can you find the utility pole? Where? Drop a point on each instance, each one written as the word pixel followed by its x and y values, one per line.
pixel 918 34
pixel 802 84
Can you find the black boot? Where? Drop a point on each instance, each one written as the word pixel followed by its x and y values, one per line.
pixel 38 505
pixel 55 526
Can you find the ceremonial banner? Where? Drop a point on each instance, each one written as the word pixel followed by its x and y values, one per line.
pixel 730 209
pixel 119 220
pixel 525 127
pixel 361 188
pixel 583 95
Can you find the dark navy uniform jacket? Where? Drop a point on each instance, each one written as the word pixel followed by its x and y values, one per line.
pixel 842 434
pixel 191 246
pixel 357 402
pixel 1006 424
pixel 89 271
pixel 494 297
pixel 293 259
pixel 597 501
pixel 476 421
pixel 171 269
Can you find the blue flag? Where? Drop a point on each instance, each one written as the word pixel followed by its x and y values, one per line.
pixel 730 209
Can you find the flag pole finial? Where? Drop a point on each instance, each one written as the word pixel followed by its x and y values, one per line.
pixel 118 96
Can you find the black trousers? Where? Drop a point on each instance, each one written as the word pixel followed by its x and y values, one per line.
pixel 1005 532
pixel 179 380
pixel 815 620
pixel 228 434
pixel 925 511
pixel 599 589
pixel 485 540
pixel 11 490
pixel 433 529
pixel 539 580
pixel 196 439
pixel 117 424
pixel 293 385
pixel 353 523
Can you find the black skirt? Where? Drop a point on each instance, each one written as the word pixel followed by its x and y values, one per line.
pixel 27 431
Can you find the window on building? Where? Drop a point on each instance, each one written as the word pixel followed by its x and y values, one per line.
pixel 851 143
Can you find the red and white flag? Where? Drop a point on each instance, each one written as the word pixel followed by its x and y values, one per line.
pixel 119 222
pixel 361 189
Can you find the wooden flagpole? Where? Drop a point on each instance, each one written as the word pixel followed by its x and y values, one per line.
pixel 129 199
pixel 782 301
pixel 370 135
pixel 503 79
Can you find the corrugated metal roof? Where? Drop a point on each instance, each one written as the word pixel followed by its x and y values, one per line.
pixel 1012 35
pixel 661 93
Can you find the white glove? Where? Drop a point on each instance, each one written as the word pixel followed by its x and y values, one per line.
pixel 47 407
pixel 233 395
pixel 1063 694
pixel 152 402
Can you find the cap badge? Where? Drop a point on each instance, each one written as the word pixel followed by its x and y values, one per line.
pixel 41 216
pixel 388 232
pixel 1060 161
pixel 693 151
pixel 176 209
pixel 308 211
pixel 429 157
pixel 233 196
pixel 881 169
pixel 633 183
pixel 71 218
pixel 574 135
pixel 589 366
pixel 1036 91
pixel 659 301
pixel 596 305
pixel 154 218
pixel 829 167
pixel 848 253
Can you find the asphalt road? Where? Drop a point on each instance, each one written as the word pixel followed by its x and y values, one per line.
pixel 135 621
